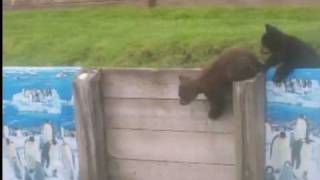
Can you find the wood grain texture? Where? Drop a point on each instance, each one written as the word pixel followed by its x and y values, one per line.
pixel 249 109
pixel 90 126
pixel 238 100
pixel 257 124
pixel 131 126
pixel 155 170
pixel 171 146
pixel 27 4
pixel 144 83
pixel 152 114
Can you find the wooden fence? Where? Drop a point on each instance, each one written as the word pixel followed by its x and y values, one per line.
pixel 16 4
pixel 249 114
pixel 21 4
pixel 130 125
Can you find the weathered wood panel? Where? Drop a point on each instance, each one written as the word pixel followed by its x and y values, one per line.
pixel 157 170
pixel 154 114
pixel 152 3
pixel 55 3
pixel 171 146
pixel 90 126
pixel 249 109
pixel 144 133
pixel 157 138
pixel 144 83
pixel 236 2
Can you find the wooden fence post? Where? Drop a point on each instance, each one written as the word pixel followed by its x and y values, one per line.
pixel 249 112
pixel 91 132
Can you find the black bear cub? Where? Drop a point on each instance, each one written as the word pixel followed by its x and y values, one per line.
pixel 214 82
pixel 286 52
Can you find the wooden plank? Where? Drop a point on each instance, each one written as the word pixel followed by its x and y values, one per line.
pixel 238 100
pixel 249 106
pixel 155 170
pixel 144 83
pixel 171 146
pixel 257 128
pixel 164 115
pixel 28 4
pixel 90 126
pixel 6 3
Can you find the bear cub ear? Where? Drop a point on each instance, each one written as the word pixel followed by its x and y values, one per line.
pixel 271 29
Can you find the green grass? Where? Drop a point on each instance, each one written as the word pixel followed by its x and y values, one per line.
pixel 122 36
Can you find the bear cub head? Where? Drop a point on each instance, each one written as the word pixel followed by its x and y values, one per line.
pixel 271 40
pixel 188 90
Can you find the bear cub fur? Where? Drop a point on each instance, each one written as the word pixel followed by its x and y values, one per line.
pixel 214 82
pixel 287 52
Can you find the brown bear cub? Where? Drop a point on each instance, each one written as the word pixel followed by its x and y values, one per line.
pixel 214 82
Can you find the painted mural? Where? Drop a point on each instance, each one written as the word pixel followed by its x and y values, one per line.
pixel 293 126
pixel 38 123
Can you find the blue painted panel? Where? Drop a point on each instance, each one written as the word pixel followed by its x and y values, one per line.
pixel 38 104
pixel 293 126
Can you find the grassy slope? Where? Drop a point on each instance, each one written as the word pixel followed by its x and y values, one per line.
pixel 134 37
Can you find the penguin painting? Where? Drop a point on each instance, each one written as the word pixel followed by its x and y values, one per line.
pixel 296 153
pixel 5 132
pixel 268 132
pixel 292 139
pixel 10 149
pixel 302 128
pixel 318 153
pixel 45 159
pixel 67 162
pixel 305 158
pixel 286 172
pixel 282 87
pixel 305 176
pixel 39 173
pixel 269 173
pixel 13 158
pixel 62 132
pixel 46 133
pixel 46 138
pixel 19 133
pixel 31 156
pixel 279 151
pixel 54 154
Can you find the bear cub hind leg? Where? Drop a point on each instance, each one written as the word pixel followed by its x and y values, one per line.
pixel 216 107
